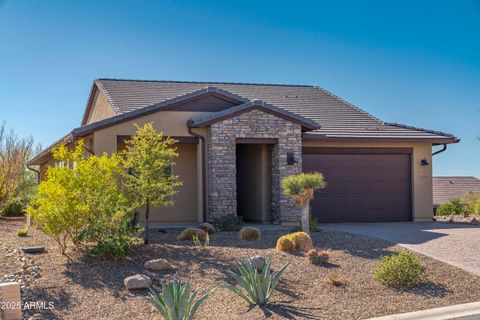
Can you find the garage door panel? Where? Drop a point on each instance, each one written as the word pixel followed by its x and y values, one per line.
pixel 361 187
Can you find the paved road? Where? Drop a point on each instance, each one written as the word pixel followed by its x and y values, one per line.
pixel 455 244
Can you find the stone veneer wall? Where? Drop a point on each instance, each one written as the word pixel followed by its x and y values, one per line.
pixel 222 190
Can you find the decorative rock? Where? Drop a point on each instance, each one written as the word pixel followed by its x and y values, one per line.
pixel 36 249
pixel 257 262
pixel 138 281
pixel 207 227
pixel 157 265
pixel 37 316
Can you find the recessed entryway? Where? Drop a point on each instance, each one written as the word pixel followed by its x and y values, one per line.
pixel 254 182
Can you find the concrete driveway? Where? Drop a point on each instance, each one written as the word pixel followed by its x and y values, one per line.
pixel 455 244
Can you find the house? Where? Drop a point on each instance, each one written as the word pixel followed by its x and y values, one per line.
pixel 446 188
pixel 237 141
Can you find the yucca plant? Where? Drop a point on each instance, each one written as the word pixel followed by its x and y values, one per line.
pixel 177 300
pixel 301 189
pixel 257 286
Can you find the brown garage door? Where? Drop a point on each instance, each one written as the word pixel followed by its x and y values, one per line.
pixel 361 186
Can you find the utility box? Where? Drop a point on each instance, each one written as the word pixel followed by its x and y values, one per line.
pixel 10 301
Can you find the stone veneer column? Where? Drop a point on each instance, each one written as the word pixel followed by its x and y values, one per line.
pixel 222 189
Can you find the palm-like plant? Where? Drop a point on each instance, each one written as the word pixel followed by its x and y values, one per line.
pixel 302 188
pixel 177 301
pixel 257 286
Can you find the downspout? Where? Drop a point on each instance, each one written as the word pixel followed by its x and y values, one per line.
pixel 204 179
pixel 441 150
pixel 35 170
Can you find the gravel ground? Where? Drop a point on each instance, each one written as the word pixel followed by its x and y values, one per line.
pixel 459 218
pixel 85 288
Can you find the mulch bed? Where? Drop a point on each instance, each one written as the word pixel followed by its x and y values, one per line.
pixel 87 288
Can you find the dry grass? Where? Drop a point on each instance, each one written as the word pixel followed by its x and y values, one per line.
pixel 335 279
pixel 250 234
pixel 87 288
pixel 189 233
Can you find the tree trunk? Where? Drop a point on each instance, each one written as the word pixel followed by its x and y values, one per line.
pixel 147 214
pixel 305 215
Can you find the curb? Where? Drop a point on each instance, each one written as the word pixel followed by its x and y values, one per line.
pixel 443 313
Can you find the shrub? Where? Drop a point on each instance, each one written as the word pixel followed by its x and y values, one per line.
pixel 23 232
pixel 313 227
pixel 177 301
pixel 454 206
pixel 198 243
pixel 83 197
pixel 301 241
pixel 401 270
pixel 318 257
pixel 472 202
pixel 227 223
pixel 284 244
pixel 250 234
pixel 188 233
pixel 335 279
pixel 257 286
pixel 12 208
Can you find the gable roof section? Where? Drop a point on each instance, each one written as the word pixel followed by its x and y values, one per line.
pixel 339 119
pixel 446 188
pixel 160 106
pixel 204 120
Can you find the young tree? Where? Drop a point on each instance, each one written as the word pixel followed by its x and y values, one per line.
pixel 149 158
pixel 302 188
pixel 14 153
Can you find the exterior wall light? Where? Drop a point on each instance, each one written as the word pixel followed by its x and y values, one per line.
pixel 291 159
pixel 424 162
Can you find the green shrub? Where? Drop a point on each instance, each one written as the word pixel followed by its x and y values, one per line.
pixel 454 206
pixel 85 199
pixel 257 286
pixel 23 232
pixel 227 223
pixel 400 270
pixel 177 301
pixel 472 202
pixel 12 208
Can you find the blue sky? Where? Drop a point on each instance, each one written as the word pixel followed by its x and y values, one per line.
pixel 413 62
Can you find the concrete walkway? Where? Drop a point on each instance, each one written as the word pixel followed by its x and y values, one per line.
pixel 455 244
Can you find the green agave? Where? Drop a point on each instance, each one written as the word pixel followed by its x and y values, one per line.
pixel 177 300
pixel 257 286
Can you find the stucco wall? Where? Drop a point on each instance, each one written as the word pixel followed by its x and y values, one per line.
pixel 172 123
pixel 422 199
pixel 101 108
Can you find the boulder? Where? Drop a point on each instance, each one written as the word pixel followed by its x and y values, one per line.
pixel 138 281
pixel 35 249
pixel 207 227
pixel 257 262
pixel 157 265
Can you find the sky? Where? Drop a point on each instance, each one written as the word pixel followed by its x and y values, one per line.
pixel 412 62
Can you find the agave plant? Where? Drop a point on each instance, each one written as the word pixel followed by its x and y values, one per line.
pixel 257 286
pixel 177 300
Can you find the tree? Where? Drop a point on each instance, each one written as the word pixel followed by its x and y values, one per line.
pixel 302 188
pixel 149 158
pixel 14 153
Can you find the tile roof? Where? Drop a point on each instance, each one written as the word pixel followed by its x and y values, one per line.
pixel 446 188
pixel 203 120
pixel 337 118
